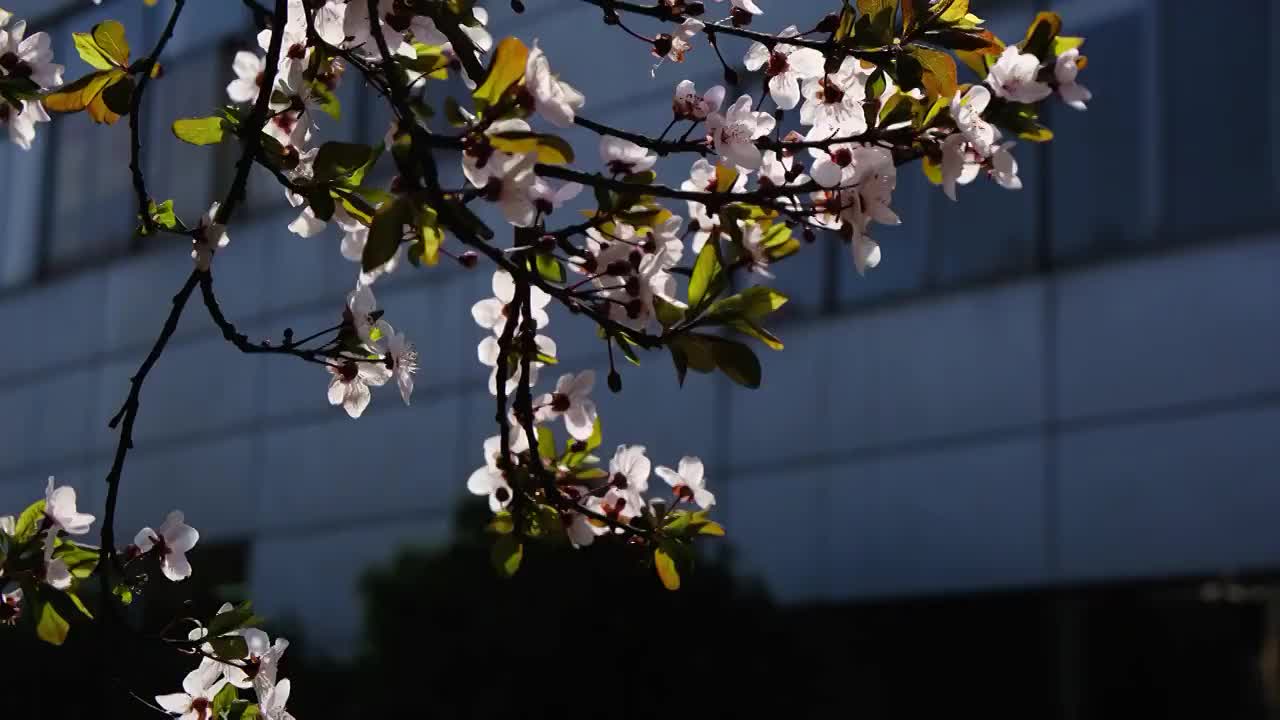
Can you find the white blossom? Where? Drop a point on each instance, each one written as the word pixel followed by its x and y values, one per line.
pixel 199 687
pixel 30 57
pixel 752 246
pixel 629 474
pixel 623 157
pixel 572 400
pixel 491 313
pixel 60 510
pixel 960 164
pixel 402 358
pixel 362 309
pixel 702 178
pixel 171 542
pixel 785 66
pixel 547 197
pixel 687 104
pixel 734 133
pixel 1065 70
pixel 967 112
pixel 682 39
pixel 688 481
pixel 22 123
pixel 350 383
pixel 833 102
pixel 554 99
pixel 833 165
pixel 483 163
pixel 490 481
pixel 271 703
pixel 249 69
pixel 1013 77
pixel 1004 168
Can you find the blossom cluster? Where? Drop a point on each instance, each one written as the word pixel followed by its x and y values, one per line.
pixel 590 502
pixel 682 267
pixel 26 70
pixel 40 555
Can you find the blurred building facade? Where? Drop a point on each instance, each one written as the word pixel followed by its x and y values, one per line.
pixel 1071 384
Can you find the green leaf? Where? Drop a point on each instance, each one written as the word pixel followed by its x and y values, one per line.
pixel 90 52
pixel 551 149
pixel 502 523
pixel 164 217
pixel 737 361
pixel 546 442
pixel 711 528
pixel 666 567
pixel 123 593
pixel 243 710
pixel 223 700
pixel 385 234
pixel 430 61
pixel 81 561
pixel 229 647
pixel 233 619
pixel 550 268
pixel 705 269
pixel 507 553
pixel 28 522
pixel 755 330
pixel 109 37
pixel 50 626
pixel 325 99
pixel 754 303
pixel 505 70
pixel 543 521
pixel 669 314
pixel 75 600
pixel 199 131
pixel 340 160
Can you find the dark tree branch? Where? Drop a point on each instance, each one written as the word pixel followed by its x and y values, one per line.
pixel 251 140
pixel 124 419
pixel 144 68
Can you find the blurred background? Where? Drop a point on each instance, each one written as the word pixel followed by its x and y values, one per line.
pixel 1027 465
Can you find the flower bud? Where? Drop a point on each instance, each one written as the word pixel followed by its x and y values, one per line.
pixel 468 259
pixel 615 381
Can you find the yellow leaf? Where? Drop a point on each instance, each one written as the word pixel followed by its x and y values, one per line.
pixel 712 528
pixel 113 101
pixel 506 70
pixel 109 37
pixel 551 149
pixel 666 569
pixel 955 12
pixel 76 96
pixel 726 176
pixel 938 72
pixel 90 52
pixel 932 170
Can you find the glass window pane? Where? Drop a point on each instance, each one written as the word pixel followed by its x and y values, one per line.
pixel 1095 156
pixel 1216 164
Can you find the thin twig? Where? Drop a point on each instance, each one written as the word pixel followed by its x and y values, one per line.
pixel 144 68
